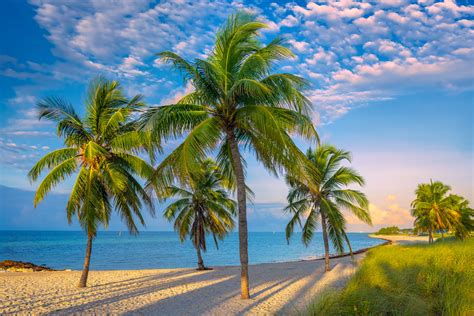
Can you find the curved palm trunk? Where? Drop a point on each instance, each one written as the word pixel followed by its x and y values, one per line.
pixel 200 261
pixel 197 244
pixel 350 247
pixel 87 260
pixel 326 242
pixel 242 205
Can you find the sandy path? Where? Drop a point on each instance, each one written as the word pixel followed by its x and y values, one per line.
pixel 276 288
pixel 402 239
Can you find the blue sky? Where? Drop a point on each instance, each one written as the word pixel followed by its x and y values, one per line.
pixel 392 81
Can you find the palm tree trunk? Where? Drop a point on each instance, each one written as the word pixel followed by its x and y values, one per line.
pixel 198 247
pixel 430 238
pixel 87 260
pixel 326 242
pixel 200 261
pixel 242 205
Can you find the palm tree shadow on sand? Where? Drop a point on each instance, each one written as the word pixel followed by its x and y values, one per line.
pixel 278 288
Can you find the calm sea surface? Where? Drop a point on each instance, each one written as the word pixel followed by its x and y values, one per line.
pixel 120 251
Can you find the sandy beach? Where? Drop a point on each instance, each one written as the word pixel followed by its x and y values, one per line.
pixel 276 288
pixel 402 239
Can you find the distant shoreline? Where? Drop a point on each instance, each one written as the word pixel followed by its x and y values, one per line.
pixel 401 239
pixel 143 231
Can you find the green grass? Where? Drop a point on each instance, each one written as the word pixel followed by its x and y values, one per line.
pixel 421 279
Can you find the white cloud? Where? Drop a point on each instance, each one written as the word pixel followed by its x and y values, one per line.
pixel 334 102
pixel 177 94
pixel 391 49
pixel 389 213
pixel 300 46
pixel 289 21
pixel 413 73
pixel 393 3
pixel 26 123
pixel 116 36
pixel 349 49
pixel 321 56
pixel 19 155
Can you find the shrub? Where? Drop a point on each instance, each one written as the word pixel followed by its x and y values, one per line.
pixel 420 279
pixel 392 230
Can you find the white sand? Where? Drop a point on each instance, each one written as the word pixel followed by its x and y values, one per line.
pixel 275 287
pixel 402 239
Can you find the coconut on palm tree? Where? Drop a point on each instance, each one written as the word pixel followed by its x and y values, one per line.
pixel 201 208
pixel 100 152
pixel 237 103
pixel 309 207
pixel 434 209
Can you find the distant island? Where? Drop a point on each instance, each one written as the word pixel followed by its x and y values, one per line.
pixel 394 230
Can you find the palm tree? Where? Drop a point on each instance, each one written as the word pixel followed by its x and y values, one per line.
pixel 202 208
pixel 99 151
pixel 237 103
pixel 465 226
pixel 434 209
pixel 325 204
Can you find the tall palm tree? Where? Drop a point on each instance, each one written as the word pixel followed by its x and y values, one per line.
pixel 237 104
pixel 325 204
pixel 203 207
pixel 434 209
pixel 100 151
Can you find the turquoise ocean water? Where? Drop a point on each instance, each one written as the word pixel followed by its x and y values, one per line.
pixel 150 250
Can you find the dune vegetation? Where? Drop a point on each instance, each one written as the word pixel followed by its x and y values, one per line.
pixel 421 279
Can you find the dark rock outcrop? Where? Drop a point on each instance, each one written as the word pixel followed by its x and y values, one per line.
pixel 20 266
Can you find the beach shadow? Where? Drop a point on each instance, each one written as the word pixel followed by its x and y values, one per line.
pixel 336 278
pixel 224 297
pixel 53 298
pixel 274 287
pixel 151 285
pixel 115 289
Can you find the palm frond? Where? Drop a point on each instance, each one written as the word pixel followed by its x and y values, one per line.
pixel 55 176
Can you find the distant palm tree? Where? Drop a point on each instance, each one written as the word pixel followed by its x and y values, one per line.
pixel 434 209
pixel 237 103
pixel 203 207
pixel 325 204
pixel 465 226
pixel 99 150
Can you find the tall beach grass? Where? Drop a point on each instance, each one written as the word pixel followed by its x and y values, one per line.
pixel 420 279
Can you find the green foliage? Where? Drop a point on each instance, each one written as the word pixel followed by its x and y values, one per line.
pixel 236 98
pixel 446 239
pixel 435 209
pixel 202 207
pixel 435 279
pixel 392 230
pixel 329 199
pixel 100 150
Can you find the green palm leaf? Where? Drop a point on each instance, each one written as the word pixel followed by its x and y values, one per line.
pixel 203 206
pixel 324 192
pixel 244 106
pixel 101 149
